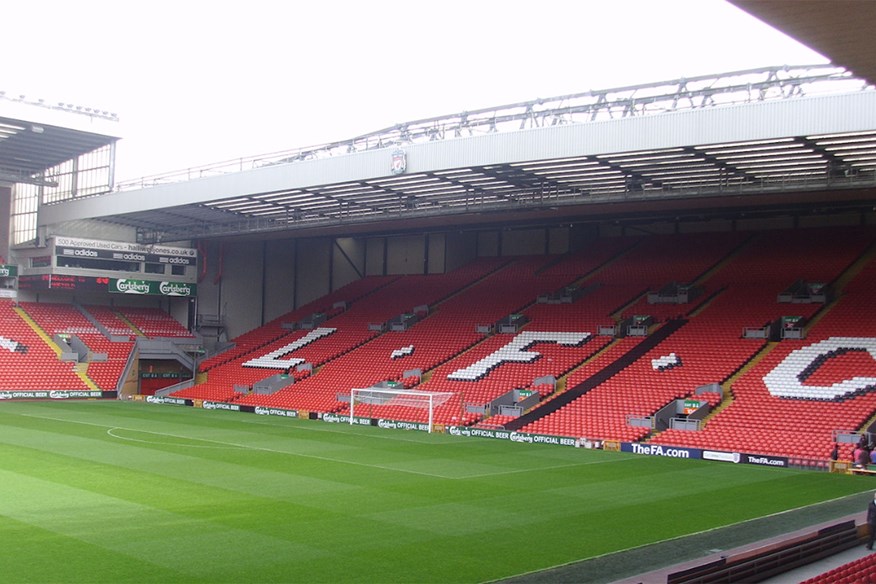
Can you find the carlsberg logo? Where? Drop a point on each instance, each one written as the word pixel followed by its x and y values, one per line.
pixel 152 287
pixel 132 286
pixel 175 289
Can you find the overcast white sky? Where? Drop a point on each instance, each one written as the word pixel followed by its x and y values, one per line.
pixel 196 81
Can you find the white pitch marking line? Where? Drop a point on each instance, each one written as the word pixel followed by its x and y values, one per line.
pixel 110 432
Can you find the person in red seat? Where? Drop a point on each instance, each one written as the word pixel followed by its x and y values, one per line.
pixel 860 456
pixel 871 522
pixel 856 454
pixel 863 457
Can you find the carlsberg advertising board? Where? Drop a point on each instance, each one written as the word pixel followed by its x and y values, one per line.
pixel 152 288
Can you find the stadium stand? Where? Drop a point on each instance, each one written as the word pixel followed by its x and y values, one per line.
pixel 711 348
pixel 649 269
pixel 758 422
pixel 363 320
pixel 154 322
pixel 450 323
pixel 27 359
pixel 270 332
pixel 106 336
pixel 106 359
pixel 452 328
pixel 111 321
pixel 740 278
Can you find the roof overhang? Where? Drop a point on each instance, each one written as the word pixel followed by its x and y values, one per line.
pixel 820 144
pixel 35 138
pixel 841 30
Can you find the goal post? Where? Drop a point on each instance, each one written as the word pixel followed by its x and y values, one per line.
pixel 424 400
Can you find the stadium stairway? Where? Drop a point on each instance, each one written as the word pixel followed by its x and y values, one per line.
pixel 725 261
pixel 81 370
pixel 38 330
pixel 135 330
pixel 615 255
pixel 839 286
pixel 599 377
pixel 727 386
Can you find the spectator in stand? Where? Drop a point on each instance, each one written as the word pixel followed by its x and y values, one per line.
pixel 871 522
pixel 863 457
pixel 873 456
pixel 859 454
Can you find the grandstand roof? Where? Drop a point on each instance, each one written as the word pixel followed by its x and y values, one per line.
pixel 35 137
pixel 707 139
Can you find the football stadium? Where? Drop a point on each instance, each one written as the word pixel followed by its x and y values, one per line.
pixel 621 335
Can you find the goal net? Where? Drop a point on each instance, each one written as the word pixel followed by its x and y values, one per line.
pixel 360 399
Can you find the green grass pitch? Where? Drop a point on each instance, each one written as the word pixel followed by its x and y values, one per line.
pixel 127 492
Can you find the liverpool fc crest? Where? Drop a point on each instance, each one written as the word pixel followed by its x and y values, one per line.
pixel 399 162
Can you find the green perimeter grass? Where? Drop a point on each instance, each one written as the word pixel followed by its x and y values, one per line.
pixel 127 492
